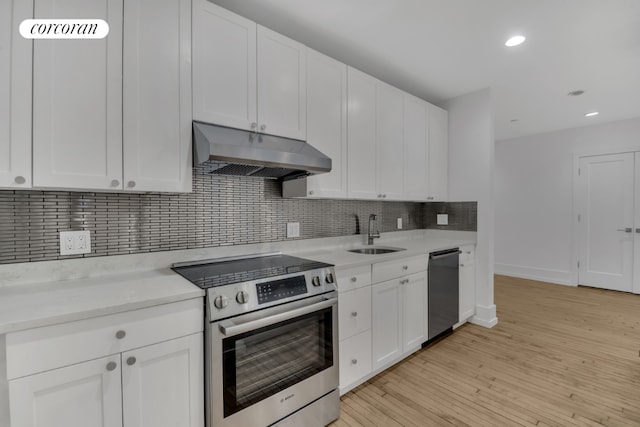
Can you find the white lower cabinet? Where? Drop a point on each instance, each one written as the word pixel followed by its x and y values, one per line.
pixel 355 360
pixel 150 374
pixel 467 283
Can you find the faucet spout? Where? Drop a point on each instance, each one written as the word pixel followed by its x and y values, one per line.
pixel 372 234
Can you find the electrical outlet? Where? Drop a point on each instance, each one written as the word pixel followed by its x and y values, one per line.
pixel 293 229
pixel 399 223
pixel 75 242
pixel 442 219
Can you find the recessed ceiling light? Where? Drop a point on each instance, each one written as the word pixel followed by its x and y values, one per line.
pixel 575 93
pixel 515 41
pixel 593 113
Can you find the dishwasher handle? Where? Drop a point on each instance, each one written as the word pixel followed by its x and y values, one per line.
pixel 444 254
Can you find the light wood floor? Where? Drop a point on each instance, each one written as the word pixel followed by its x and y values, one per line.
pixel 559 356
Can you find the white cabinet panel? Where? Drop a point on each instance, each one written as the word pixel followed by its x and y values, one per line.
pixel 15 96
pixel 361 156
pixel 162 385
pixel 467 281
pixel 157 95
pixel 83 395
pixel 355 312
pixel 353 278
pixel 224 67
pixel 282 96
pixel 389 145
pixel 438 152
pixel 386 323
pixel 327 122
pixel 413 295
pixel 416 148
pixel 77 101
pixel 355 360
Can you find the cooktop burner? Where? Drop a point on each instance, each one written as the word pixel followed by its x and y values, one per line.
pixel 213 273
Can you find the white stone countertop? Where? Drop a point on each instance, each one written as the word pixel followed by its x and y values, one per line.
pixel 50 292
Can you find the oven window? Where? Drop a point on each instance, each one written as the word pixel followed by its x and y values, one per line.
pixel 261 363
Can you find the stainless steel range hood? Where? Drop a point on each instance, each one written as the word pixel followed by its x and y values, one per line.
pixel 244 153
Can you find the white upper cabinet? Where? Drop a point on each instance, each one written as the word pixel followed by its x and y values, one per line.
pixel 416 148
pixel 77 101
pixel 282 88
pixel 327 122
pixel 15 96
pixel 157 95
pixel 438 152
pixel 246 76
pixel 224 67
pixel 389 144
pixel 361 125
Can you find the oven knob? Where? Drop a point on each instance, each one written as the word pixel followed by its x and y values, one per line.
pixel 329 278
pixel 315 281
pixel 221 302
pixel 242 297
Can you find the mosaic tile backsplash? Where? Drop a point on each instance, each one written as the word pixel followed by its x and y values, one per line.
pixel 221 210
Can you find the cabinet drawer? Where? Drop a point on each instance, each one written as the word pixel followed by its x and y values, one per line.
pixel 388 270
pixel 355 359
pixel 355 312
pixel 50 347
pixel 353 278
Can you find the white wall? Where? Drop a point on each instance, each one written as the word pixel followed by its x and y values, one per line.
pixel 470 176
pixel 534 197
pixel 4 385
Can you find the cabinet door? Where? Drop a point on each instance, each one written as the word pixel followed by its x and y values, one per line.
pixel 467 282
pixel 15 96
pixel 438 152
pixel 77 101
pixel 361 125
pixel 413 296
pixel 83 395
pixel 416 148
pixel 224 67
pixel 327 122
pixel 157 95
pixel 282 87
pixel 355 312
pixel 389 144
pixel 162 385
pixel 355 360
pixel 386 323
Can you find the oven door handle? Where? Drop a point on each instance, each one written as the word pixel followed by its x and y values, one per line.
pixel 229 328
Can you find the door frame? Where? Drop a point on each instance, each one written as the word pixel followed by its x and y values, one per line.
pixel 575 231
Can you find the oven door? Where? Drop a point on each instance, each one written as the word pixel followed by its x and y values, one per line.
pixel 267 364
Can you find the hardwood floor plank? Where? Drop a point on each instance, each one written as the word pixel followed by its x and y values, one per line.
pixel 559 356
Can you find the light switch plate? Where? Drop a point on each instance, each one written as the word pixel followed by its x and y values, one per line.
pixel 443 219
pixel 75 242
pixel 293 229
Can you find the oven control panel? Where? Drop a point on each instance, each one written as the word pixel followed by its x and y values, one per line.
pixel 281 289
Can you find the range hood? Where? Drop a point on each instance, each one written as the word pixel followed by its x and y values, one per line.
pixel 244 153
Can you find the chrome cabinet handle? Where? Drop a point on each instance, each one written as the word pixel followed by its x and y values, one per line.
pixel 115 183
pixel 404 282
pixel 263 128
pixel 355 279
pixel 131 184
pixel 405 267
pixel 461 265
pixel 254 125
pixel 121 334
pixel 626 230
pixel 111 366
pixel 637 230
pixel 354 361
pixel 131 361
pixel 354 314
pixel 384 196
pixel 311 193
pixel 20 180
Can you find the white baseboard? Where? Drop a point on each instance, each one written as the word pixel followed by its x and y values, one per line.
pixel 485 316
pixel 558 277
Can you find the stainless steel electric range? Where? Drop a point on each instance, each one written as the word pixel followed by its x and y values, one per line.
pixel 271 340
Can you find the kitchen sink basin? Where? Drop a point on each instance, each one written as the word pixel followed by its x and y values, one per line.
pixel 376 250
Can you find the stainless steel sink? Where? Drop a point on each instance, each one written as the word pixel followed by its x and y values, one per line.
pixel 376 250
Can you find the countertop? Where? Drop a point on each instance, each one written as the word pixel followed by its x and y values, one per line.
pixel 51 292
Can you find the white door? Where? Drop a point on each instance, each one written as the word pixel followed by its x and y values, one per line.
pixel 224 67
pixel 361 125
pixel 438 152
pixel 389 141
pixel 386 323
pixel 416 148
pixel 15 96
pixel 157 95
pixel 84 395
pixel 327 122
pixel 162 384
pixel 282 85
pixel 605 206
pixel 413 290
pixel 77 101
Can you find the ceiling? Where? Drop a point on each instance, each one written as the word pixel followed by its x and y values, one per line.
pixel 441 49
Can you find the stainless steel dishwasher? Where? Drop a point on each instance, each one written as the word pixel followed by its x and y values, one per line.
pixel 443 291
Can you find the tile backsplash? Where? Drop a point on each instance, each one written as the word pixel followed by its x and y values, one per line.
pixel 221 210
pixel 463 216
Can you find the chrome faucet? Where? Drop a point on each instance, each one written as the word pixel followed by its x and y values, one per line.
pixel 371 234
